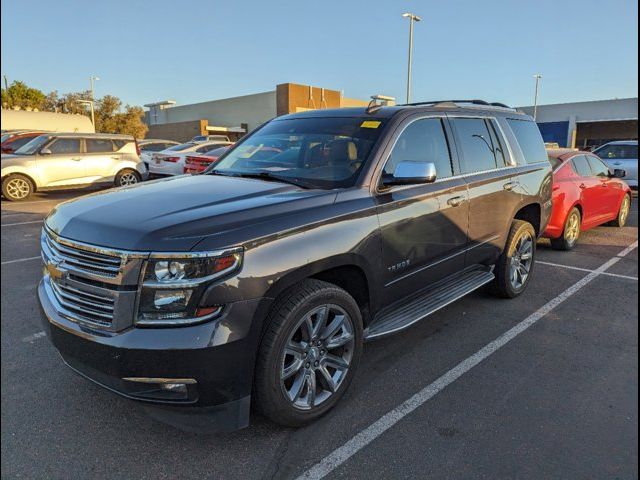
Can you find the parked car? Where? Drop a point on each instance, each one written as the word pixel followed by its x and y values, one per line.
pixel 258 281
pixel 56 161
pixel 622 155
pixel 12 141
pixel 586 194
pixel 149 146
pixel 199 163
pixel 210 138
pixel 170 162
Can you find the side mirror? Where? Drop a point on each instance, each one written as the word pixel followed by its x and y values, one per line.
pixel 619 173
pixel 412 173
pixel 45 151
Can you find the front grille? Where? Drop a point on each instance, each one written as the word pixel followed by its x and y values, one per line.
pixel 84 305
pixel 82 259
pixel 90 284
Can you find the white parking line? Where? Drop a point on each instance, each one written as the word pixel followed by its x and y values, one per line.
pixel 373 431
pixel 20 223
pixel 570 267
pixel 35 336
pixel 17 260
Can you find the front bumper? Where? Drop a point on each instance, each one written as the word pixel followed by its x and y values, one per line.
pixel 219 355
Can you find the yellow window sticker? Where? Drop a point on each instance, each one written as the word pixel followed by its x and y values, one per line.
pixel 370 124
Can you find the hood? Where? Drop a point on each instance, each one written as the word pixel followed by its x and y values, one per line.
pixel 177 213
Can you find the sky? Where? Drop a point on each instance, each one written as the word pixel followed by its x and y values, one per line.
pixel 192 51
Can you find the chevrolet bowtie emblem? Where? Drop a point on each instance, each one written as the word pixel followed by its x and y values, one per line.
pixel 54 272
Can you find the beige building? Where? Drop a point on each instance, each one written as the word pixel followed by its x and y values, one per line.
pixel 238 115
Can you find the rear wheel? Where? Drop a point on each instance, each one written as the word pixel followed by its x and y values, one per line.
pixel 514 267
pixel 571 232
pixel 127 177
pixel 309 353
pixel 623 213
pixel 16 187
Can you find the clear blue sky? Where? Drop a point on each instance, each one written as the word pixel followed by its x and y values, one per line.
pixel 192 51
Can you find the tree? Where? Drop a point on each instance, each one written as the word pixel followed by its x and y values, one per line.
pixel 110 118
pixel 20 95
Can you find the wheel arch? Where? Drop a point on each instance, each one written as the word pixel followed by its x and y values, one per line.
pixel 31 178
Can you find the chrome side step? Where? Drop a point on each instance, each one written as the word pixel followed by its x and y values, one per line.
pixel 403 314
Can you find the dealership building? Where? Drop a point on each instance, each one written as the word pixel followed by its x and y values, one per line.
pixel 238 115
pixel 588 124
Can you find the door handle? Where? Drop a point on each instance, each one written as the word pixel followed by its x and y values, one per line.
pixel 76 159
pixel 510 186
pixel 455 201
pixel 582 186
pixel 115 157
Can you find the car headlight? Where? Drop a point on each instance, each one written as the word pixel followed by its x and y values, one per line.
pixel 174 283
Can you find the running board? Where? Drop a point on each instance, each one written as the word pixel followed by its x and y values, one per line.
pixel 403 314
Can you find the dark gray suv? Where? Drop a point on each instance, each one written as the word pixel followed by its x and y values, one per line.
pixel 259 280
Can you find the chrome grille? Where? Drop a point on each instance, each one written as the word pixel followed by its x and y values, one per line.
pixel 83 305
pixel 81 259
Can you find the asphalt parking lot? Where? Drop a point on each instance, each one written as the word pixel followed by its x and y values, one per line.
pixel 543 386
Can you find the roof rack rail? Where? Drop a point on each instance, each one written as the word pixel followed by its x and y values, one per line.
pixel 472 101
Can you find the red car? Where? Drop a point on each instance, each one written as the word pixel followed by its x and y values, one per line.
pixel 12 141
pixel 199 163
pixel 585 194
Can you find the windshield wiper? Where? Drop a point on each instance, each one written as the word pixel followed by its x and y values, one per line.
pixel 267 176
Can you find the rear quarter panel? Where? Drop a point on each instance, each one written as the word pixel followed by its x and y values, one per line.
pixel 565 196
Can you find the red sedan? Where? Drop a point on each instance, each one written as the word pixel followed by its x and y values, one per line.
pixel 199 163
pixel 585 194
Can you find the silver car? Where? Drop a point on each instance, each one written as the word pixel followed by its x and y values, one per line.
pixel 622 155
pixel 68 160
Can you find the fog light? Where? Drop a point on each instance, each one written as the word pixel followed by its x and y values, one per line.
pixel 168 389
pixel 180 388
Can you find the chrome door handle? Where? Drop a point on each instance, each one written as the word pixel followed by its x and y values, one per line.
pixel 510 186
pixel 455 201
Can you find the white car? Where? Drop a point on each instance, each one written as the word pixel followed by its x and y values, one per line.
pixel 171 161
pixel 622 155
pixel 149 146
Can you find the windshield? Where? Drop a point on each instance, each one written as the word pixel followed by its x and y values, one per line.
pixel 315 152
pixel 33 146
pixel 182 146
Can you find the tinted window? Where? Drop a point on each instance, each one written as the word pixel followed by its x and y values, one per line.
pixel 216 152
pixel 478 153
pixel 618 151
pixel 422 141
pixel 181 147
pixel 119 144
pixel 154 147
pixel 581 166
pixel 65 146
pixel 98 145
pixel 498 147
pixel 19 142
pixel 530 140
pixel 599 169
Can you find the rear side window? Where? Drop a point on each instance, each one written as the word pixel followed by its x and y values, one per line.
pixel 99 145
pixel 65 146
pixel 154 147
pixel 530 140
pixel 625 152
pixel 477 145
pixel 599 169
pixel 581 166
pixel 422 141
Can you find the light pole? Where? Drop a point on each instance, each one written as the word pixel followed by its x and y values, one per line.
pixel 92 79
pixel 537 76
pixel 412 18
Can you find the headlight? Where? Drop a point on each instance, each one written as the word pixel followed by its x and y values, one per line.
pixel 173 284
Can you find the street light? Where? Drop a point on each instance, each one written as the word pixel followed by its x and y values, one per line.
pixel 92 79
pixel 412 18
pixel 537 76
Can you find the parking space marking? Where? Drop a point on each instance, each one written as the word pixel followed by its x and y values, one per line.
pixel 20 223
pixel 570 267
pixel 35 336
pixel 17 260
pixel 373 431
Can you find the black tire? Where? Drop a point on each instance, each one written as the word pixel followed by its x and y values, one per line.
pixel 623 216
pixel 570 234
pixel 502 285
pixel 17 187
pixel 270 397
pixel 127 177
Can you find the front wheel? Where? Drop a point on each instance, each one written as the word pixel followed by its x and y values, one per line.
pixel 571 232
pixel 309 353
pixel 514 267
pixel 623 213
pixel 127 177
pixel 16 187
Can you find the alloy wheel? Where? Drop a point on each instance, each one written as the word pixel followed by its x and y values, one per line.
pixel 572 230
pixel 317 356
pixel 18 188
pixel 128 178
pixel 624 210
pixel 521 261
